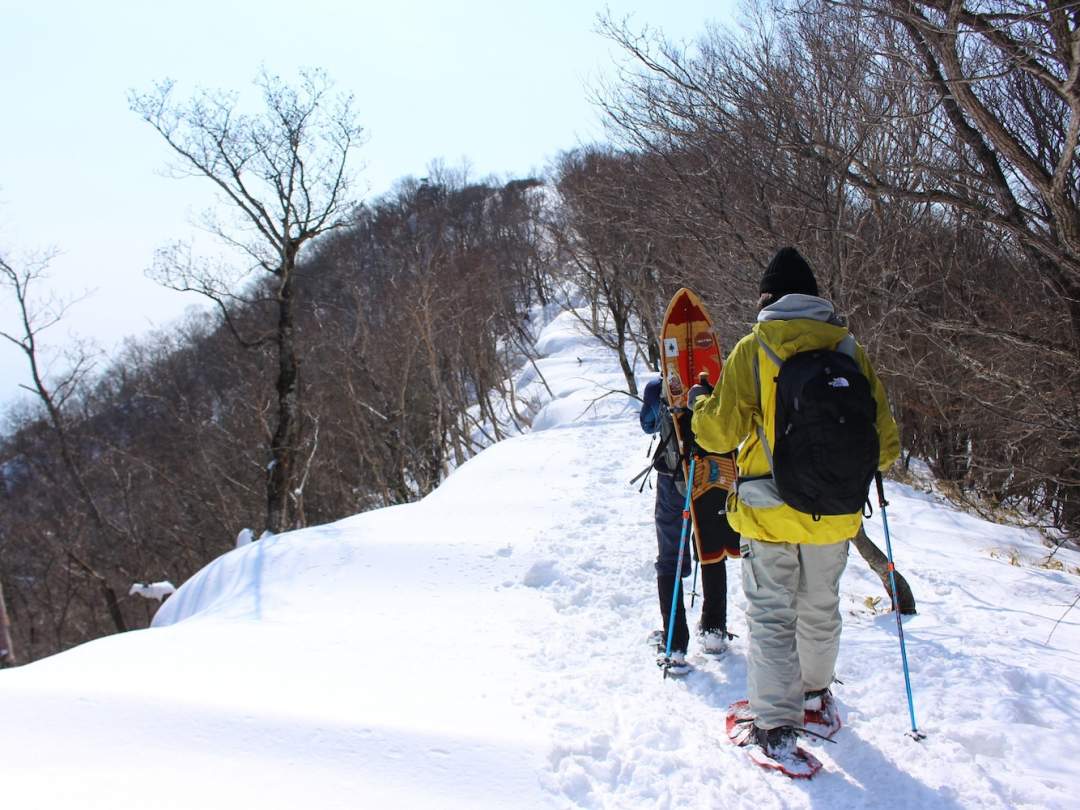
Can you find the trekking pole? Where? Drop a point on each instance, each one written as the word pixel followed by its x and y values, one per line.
pixel 915 734
pixel 678 564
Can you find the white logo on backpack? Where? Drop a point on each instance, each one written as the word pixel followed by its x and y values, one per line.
pixel 839 382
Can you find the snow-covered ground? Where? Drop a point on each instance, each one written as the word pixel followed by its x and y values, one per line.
pixel 486 648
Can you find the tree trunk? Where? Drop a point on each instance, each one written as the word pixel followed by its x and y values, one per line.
pixel 112 601
pixel 73 469
pixel 7 649
pixel 879 564
pixel 621 329
pixel 652 342
pixel 283 446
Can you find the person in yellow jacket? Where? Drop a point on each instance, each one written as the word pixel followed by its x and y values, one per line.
pixel 791 560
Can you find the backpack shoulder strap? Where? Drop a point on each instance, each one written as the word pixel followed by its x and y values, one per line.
pixel 667 433
pixel 761 410
pixel 665 439
pixel 769 351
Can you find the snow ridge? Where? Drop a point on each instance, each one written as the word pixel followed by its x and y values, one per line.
pixel 485 647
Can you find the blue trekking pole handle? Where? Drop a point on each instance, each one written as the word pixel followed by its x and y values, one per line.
pixel 882 503
pixel 678 565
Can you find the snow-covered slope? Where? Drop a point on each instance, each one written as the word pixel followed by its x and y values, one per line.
pixel 486 648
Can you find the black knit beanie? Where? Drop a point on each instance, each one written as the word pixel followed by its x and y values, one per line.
pixel 788 272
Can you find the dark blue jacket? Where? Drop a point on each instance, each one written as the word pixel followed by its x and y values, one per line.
pixel 650 406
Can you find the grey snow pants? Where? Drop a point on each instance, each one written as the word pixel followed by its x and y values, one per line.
pixel 793 613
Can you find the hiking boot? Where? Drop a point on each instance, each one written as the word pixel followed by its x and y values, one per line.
pixel 665 586
pixel 675 664
pixel 714 596
pixel 777 743
pixel 714 640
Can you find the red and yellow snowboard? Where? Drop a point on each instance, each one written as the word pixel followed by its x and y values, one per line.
pixel 688 349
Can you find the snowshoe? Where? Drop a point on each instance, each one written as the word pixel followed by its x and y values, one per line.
pixel 714 642
pixel 777 749
pixel 821 714
pixel 740 722
pixel 674 665
pixel 774 749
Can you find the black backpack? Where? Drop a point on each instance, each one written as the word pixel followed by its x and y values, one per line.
pixel 826 437
pixel 667 458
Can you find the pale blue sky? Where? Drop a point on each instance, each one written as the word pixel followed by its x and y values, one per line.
pixel 500 84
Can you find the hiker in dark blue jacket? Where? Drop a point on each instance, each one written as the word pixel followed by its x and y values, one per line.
pixel 670 499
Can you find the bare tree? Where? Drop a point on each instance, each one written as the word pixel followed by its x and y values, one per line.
pixel 53 397
pixel 1004 80
pixel 923 154
pixel 969 113
pixel 285 175
pixel 605 251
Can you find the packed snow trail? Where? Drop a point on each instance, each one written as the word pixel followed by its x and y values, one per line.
pixel 485 647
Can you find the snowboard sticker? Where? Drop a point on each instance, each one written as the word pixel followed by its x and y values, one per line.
pixel 688 347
